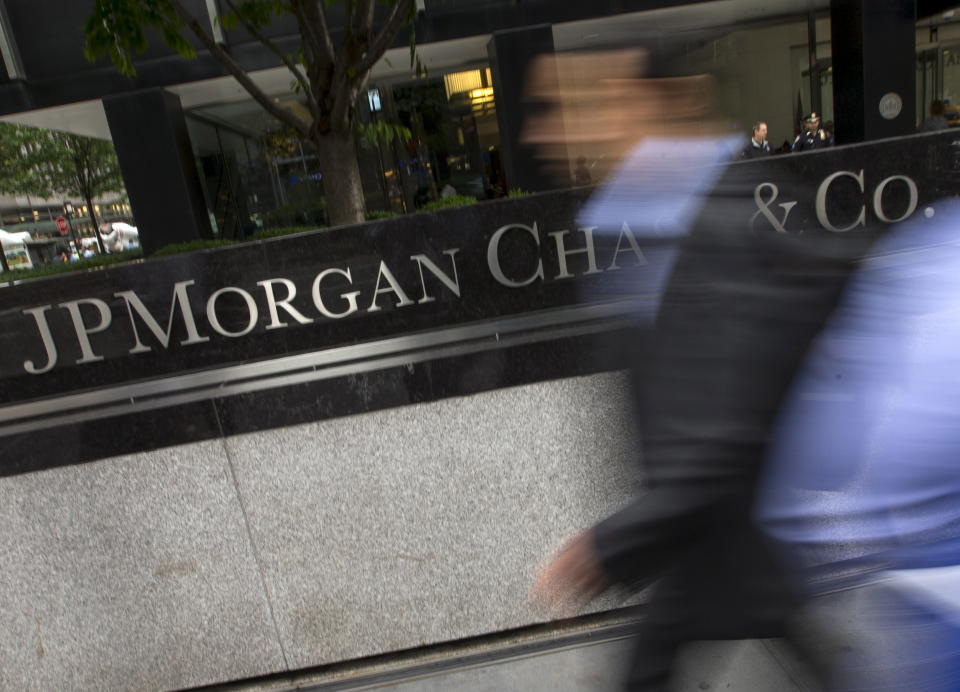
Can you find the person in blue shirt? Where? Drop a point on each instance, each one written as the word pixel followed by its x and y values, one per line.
pixel 862 494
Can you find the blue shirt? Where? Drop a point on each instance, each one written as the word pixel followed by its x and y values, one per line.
pixel 866 463
pixel 655 194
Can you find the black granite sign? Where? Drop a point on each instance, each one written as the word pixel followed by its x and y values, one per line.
pixel 174 319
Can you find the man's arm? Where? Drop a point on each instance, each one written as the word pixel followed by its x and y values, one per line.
pixel 630 547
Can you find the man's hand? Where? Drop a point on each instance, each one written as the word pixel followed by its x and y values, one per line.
pixel 572 578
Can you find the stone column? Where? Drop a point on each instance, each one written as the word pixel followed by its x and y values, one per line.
pixel 159 171
pixel 511 52
pixel 873 43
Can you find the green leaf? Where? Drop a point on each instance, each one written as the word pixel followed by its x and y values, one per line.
pixel 178 43
pixel 447 202
pixel 121 29
pixel 229 20
pixel 372 134
pixel 115 28
pixel 418 68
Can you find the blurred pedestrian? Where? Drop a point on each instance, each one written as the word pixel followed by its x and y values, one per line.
pixel 735 314
pixel 863 494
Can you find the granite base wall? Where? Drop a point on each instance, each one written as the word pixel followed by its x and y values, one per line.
pixel 304 545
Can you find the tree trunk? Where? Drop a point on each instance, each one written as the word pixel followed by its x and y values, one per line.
pixel 3 253
pixel 95 223
pixel 341 179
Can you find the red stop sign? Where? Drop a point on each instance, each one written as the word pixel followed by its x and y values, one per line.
pixel 62 225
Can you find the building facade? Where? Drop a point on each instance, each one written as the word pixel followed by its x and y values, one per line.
pixel 774 61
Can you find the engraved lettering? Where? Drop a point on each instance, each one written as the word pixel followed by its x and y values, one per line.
pixel 83 331
pixel 350 297
pixel 394 287
pixel 273 303
pixel 493 256
pixel 821 203
pixel 181 300
pixel 878 198
pixel 453 284
pixel 563 253
pixel 48 344
pixel 763 207
pixel 214 321
pixel 625 232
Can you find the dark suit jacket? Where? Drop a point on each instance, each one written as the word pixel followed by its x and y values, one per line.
pixel 736 318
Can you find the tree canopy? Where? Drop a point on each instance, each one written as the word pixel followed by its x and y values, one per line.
pixel 329 69
pixel 44 163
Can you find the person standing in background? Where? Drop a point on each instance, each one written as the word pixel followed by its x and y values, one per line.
pixel 758 146
pixel 813 136
pixel 581 174
pixel 937 120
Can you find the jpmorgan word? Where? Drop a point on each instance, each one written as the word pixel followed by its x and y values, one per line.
pixel 276 299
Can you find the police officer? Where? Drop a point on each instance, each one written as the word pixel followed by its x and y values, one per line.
pixel 813 136
pixel 758 147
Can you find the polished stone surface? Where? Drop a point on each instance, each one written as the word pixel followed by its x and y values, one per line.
pixel 426 523
pixel 417 381
pixel 80 442
pixel 784 191
pixel 131 573
pixel 299 259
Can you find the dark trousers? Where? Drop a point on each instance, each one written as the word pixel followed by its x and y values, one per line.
pixel 726 586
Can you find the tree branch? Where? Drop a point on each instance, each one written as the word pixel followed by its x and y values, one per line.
pixel 237 72
pixel 257 34
pixel 347 17
pixel 345 85
pixel 362 23
pixel 311 18
pixel 308 46
pixel 384 39
pixel 313 24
